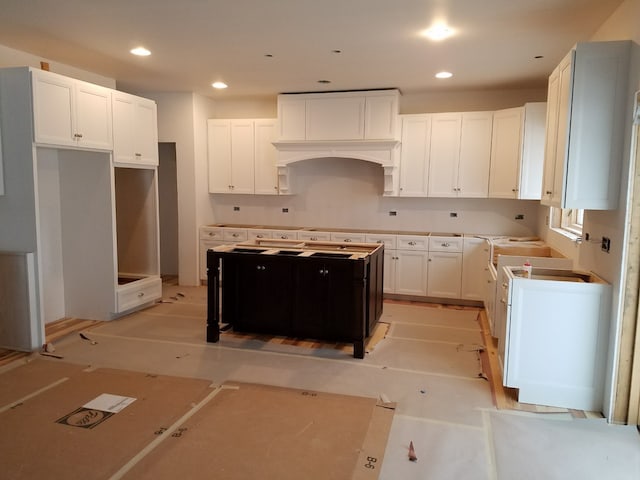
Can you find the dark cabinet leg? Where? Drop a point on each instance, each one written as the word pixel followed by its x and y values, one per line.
pixel 358 349
pixel 213 297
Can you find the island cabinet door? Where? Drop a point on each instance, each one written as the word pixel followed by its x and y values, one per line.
pixel 324 301
pixel 263 294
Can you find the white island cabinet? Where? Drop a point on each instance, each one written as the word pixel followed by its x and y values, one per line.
pixel 557 333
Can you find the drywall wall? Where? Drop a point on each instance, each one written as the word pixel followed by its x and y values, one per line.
pixel 10 57
pixel 347 193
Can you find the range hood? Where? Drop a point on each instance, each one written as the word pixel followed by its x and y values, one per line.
pixel 382 152
pixel 358 124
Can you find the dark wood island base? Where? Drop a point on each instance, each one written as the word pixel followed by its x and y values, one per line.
pixel 321 290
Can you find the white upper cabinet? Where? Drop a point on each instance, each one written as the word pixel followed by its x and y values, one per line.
pixel 506 148
pixel 266 175
pixel 475 155
pixel 585 127
pixel 381 115
pixel 459 154
pixel 338 116
pixel 231 156
pixel 532 160
pixel 414 155
pixel 444 154
pixel 517 152
pixel 135 130
pixel 68 112
pixel 242 158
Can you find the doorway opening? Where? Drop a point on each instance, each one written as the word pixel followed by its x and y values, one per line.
pixel 168 210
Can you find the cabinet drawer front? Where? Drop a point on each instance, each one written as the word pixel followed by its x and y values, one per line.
pixel 234 235
pixel 413 242
pixel 254 233
pixel 138 293
pixel 445 244
pixel 348 237
pixel 211 234
pixel 314 236
pixel 285 234
pixel 389 241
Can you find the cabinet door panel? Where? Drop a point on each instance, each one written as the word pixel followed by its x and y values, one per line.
pixel 335 118
pixel 381 113
pixel 414 156
pixel 53 107
pixel 269 282
pixel 475 258
pixel 506 151
pixel 445 274
pixel 475 155
pixel 411 272
pixel 553 97
pixel 242 156
pixel 266 156
pixel 219 136
pixel 123 131
pixel 444 154
pixel 93 119
pixel 146 139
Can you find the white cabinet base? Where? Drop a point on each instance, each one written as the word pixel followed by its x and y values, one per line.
pixel 138 293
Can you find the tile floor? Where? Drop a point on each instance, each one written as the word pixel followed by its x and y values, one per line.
pixel 428 363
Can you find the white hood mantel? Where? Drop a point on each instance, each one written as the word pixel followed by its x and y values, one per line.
pixel 383 152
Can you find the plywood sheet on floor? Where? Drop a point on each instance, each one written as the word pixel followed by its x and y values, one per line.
pixel 437 358
pixel 255 431
pixel 433 333
pixel 33 445
pixel 431 314
pixel 528 447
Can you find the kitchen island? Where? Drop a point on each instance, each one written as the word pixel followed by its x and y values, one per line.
pixel 306 289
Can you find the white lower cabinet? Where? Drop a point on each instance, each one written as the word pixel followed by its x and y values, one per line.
pixel 557 332
pixel 475 258
pixel 138 293
pixel 445 266
pixel 411 272
pixel 445 274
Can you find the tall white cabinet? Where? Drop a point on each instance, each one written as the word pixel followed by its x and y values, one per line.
pixel 586 99
pixel 92 226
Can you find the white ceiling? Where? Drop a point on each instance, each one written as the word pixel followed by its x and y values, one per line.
pixel 196 42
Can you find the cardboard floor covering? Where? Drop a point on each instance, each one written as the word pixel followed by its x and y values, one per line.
pixel 183 428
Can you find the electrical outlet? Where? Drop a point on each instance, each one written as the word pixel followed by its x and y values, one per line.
pixel 393 213
pixel 285 210
pixel 236 209
pixel 453 215
pixel 606 244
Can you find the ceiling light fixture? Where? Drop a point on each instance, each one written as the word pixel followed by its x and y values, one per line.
pixel 219 85
pixel 444 75
pixel 438 32
pixel 140 52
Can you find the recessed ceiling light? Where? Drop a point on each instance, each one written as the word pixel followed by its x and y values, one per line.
pixel 219 85
pixel 438 32
pixel 140 51
pixel 444 75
